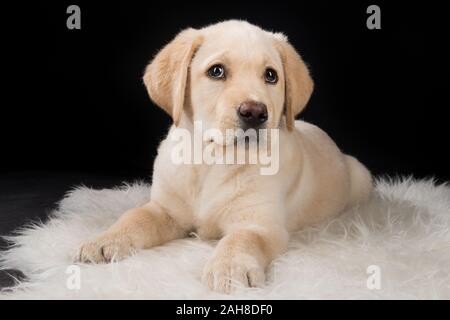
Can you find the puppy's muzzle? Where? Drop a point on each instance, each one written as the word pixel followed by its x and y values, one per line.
pixel 252 114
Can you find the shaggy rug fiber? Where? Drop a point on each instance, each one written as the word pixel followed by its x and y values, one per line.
pixel 397 246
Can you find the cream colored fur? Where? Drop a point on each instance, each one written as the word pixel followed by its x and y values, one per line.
pixel 251 213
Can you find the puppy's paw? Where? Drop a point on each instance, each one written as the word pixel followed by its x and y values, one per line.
pixel 105 248
pixel 222 273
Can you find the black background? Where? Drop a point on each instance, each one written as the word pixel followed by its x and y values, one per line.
pixel 73 108
pixel 77 101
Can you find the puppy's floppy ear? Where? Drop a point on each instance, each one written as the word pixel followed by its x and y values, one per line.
pixel 298 83
pixel 166 76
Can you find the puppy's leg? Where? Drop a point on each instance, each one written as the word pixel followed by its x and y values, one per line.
pixel 137 228
pixel 242 256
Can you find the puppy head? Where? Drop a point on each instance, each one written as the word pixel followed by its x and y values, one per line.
pixel 230 75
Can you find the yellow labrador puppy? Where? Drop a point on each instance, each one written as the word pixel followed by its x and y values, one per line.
pixel 234 75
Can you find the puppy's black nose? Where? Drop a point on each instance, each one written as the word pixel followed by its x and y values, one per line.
pixel 252 113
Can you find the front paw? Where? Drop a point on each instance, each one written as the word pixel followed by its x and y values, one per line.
pixel 224 272
pixel 105 248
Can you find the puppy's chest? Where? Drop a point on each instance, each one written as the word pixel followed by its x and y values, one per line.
pixel 212 184
pixel 213 194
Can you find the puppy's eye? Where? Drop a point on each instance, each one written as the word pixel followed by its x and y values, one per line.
pixel 217 71
pixel 270 76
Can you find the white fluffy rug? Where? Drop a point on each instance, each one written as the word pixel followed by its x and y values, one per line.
pixel 403 233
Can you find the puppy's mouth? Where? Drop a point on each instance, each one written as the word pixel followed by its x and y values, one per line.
pixel 222 137
pixel 245 127
pixel 235 130
pixel 235 136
